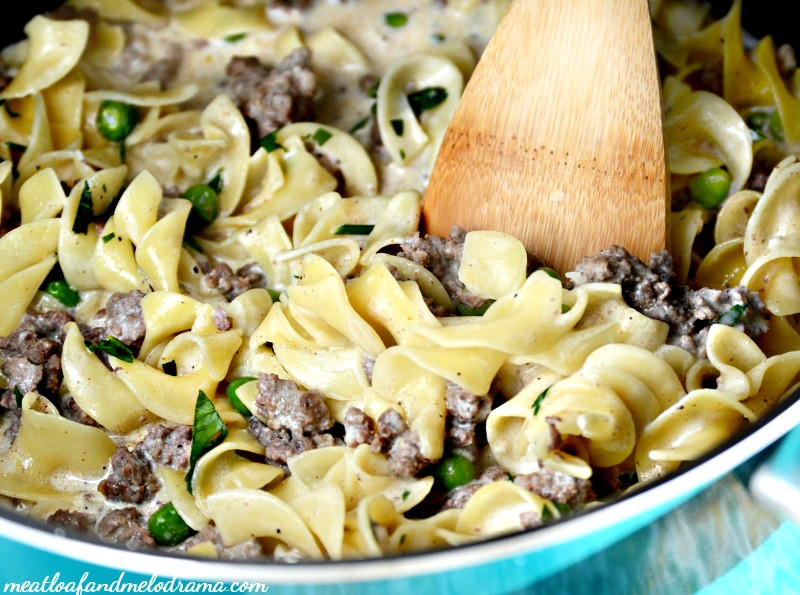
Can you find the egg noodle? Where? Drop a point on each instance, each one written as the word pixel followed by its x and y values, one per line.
pixel 576 384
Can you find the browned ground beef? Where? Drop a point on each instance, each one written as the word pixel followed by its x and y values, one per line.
pixel 121 318
pixel 297 419
pixel 464 412
pixel 458 497
pixel 230 284
pixel 77 521
pixel 32 354
pixel 130 479
pixel 273 97
pixel 442 257
pixel 358 427
pixel 399 443
pixel 125 526
pixel 247 550
pixel 221 320
pixel 655 292
pixel 170 446
pixel 70 409
pixel 557 487
pixel 146 58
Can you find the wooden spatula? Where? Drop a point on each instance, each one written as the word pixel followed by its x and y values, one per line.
pixel 558 137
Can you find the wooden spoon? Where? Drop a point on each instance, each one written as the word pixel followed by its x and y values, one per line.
pixel 558 137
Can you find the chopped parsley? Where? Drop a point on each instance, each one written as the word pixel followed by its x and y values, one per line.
pixel 397 126
pixel 113 347
pixel 395 19
pixel 18 396
pixel 427 98
pixel 373 90
pixel 61 290
pixel 270 144
pixel 170 368
pixel 406 494
pixel 84 214
pixel 351 229
pixel 109 237
pixel 321 136
pixel 274 294
pixel 402 154
pixel 359 125
pixel 731 317
pixel 537 404
pixel 235 37
pixel 550 272
pixel 565 308
pixel 207 432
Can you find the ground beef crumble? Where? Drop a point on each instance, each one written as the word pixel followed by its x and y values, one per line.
pixel 390 436
pixel 130 479
pixel 273 97
pixel 464 412
pixel 655 292
pixel 169 446
pixel 442 257
pixel 126 526
pixel 32 355
pixel 557 487
pixel 222 278
pixel 297 419
pixel 122 318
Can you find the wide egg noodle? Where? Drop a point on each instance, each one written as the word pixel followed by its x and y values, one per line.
pixel 104 397
pixel 55 47
pixel 46 444
pixel 408 139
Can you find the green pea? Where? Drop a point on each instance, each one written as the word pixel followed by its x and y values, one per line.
pixel 115 120
pixel 167 527
pixel 710 188
pixel 775 126
pixel 454 470
pixel 63 292
pixel 235 401
pixel 205 204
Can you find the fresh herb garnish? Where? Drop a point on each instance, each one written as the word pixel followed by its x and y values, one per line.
pixel 270 144
pixel 396 19
pixel 170 368
pixel 537 404
pixel 397 126
pixel 208 431
pixel 235 37
pixel 18 396
pixel 731 317
pixel 565 308
pixel 351 229
pixel 321 136
pixel 427 98
pixel 464 310
pixel 109 237
pixel 84 214
pixel 359 125
pixel 113 347
pixel 402 154
pixel 406 494
pixel 437 38
pixel 373 89
pixel 65 294
pixel 274 294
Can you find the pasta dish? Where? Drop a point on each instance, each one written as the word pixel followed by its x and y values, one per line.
pixel 222 332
